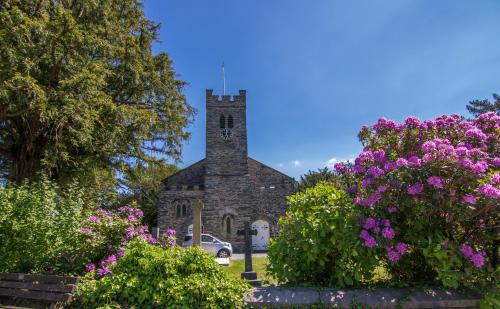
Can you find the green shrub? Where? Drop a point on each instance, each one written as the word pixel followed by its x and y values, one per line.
pixel 40 228
pixel 318 242
pixel 151 276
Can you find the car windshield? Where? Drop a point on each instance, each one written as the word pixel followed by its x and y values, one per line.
pixel 188 238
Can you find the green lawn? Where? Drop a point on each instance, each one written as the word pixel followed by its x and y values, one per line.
pixel 236 267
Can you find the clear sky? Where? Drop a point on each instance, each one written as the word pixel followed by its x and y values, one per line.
pixel 316 71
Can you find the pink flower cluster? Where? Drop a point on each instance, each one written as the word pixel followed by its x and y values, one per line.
pixel 477 258
pixel 103 224
pixel 383 228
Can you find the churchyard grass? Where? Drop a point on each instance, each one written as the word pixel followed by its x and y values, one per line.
pixel 236 267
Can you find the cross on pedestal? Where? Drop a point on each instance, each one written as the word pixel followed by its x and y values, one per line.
pixel 248 274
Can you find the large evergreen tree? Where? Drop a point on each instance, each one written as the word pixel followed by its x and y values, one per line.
pixel 478 107
pixel 81 92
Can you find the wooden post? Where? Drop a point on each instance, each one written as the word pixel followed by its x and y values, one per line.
pixel 197 206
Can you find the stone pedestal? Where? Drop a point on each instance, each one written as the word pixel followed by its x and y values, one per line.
pixel 251 277
pixel 197 206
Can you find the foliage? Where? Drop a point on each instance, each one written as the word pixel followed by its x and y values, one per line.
pixel 336 177
pixel 428 194
pixel 478 107
pixel 81 91
pixel 141 185
pixel 318 242
pixel 150 276
pixel 47 230
pixel 39 227
pixel 312 178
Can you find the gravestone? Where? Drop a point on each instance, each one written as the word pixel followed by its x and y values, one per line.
pixel 249 274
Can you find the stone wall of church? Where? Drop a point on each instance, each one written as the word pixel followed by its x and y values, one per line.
pixel 168 218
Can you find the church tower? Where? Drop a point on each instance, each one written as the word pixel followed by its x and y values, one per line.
pixel 226 137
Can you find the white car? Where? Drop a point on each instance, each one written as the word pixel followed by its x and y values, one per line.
pixel 211 245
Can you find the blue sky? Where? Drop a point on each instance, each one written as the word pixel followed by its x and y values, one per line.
pixel 316 71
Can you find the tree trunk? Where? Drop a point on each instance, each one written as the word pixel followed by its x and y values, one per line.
pixel 25 164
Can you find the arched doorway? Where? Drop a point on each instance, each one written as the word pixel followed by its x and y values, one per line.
pixel 261 240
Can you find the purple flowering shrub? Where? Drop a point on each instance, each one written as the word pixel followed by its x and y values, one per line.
pixel 106 235
pixel 428 195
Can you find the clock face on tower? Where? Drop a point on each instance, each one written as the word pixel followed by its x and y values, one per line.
pixel 226 133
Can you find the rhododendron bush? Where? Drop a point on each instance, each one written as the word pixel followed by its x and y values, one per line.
pixel 428 195
pixel 425 203
pixel 45 229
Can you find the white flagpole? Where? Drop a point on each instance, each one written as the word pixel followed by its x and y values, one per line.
pixel 223 80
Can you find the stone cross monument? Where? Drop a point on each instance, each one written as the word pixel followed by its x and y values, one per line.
pixel 248 274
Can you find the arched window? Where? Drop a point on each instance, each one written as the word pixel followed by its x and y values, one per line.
pixel 184 210
pixel 230 121
pixel 222 121
pixel 178 211
pixel 228 225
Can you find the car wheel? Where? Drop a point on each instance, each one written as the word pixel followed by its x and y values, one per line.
pixel 223 253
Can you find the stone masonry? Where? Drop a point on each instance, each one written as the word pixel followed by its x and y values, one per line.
pixel 233 187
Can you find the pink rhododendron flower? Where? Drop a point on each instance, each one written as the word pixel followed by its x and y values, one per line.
pixel 169 232
pixel 393 255
pixel 364 234
pixel 374 198
pixel 388 233
pixel 340 168
pixel 480 167
pixel 392 209
pixel 86 230
pixel 132 218
pixel 101 272
pixel 466 250
pixel 495 179
pixel 370 242
pixel 139 213
pixel 390 166
pixel 93 218
pixel 477 134
pixel 366 182
pixel 379 156
pixel 435 181
pixel 401 162
pixel 401 248
pixel 415 189
pixel 370 223
pixel 428 146
pixel 414 161
pixel 478 259
pixel 412 122
pixel 469 198
pixel 489 191
pixel 376 172
pixel 90 267
pixel 496 162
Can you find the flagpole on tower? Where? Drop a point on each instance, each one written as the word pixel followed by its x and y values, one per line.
pixel 223 80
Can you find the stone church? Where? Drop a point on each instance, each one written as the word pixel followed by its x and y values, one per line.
pixel 233 187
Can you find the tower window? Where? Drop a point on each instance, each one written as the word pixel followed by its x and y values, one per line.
pixel 184 210
pixel 222 122
pixel 230 121
pixel 228 225
pixel 178 211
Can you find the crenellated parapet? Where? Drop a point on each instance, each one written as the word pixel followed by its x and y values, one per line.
pixel 222 100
